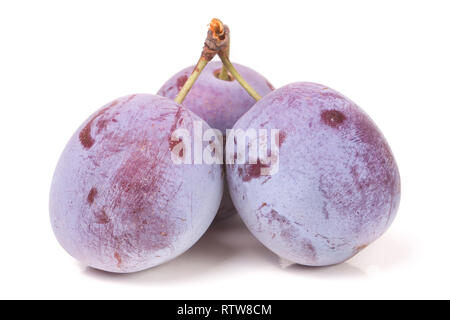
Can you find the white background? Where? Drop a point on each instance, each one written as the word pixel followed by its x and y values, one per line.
pixel 62 60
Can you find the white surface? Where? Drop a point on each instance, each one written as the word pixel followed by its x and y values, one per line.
pixel 61 60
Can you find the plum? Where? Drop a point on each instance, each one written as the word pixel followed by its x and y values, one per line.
pixel 337 188
pixel 219 102
pixel 118 202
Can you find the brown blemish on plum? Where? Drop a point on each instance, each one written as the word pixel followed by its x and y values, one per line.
pixel 332 118
pixel 174 143
pixel 262 205
pixel 181 153
pixel 288 232
pixel 332 244
pixel 101 217
pixel 281 138
pixel 103 123
pixel 181 81
pixel 213 147
pixel 273 215
pixel 177 121
pixel 91 196
pixel 118 258
pixel 252 171
pixel 85 135
pixel 164 234
pixel 308 249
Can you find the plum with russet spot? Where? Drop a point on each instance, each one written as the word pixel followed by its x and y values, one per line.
pixel 337 188
pixel 118 202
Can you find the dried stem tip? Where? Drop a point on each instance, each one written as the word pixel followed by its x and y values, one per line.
pixel 217 39
pixel 217 28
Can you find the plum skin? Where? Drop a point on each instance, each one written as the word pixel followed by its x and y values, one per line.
pixel 117 202
pixel 337 188
pixel 219 102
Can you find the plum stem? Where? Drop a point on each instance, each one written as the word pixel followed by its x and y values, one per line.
pixel 201 64
pixel 227 63
pixel 224 75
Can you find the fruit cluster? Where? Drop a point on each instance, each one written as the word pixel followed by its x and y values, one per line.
pixel 119 202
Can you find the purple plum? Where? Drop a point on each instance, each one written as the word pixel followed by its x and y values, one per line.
pixel 219 102
pixel 337 188
pixel 118 202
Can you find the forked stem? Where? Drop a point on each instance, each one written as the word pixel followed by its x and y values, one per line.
pixel 217 42
pixel 226 62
